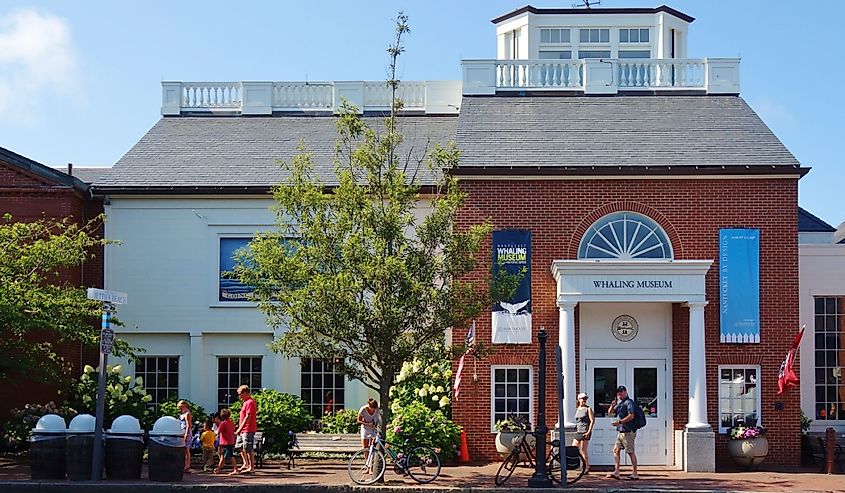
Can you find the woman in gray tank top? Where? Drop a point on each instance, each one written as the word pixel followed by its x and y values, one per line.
pixel 584 421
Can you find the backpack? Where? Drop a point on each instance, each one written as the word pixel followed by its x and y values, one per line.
pixel 639 418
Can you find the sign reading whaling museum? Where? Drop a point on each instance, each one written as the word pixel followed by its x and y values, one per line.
pixel 512 318
pixel 739 285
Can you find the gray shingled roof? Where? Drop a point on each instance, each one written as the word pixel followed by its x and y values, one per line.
pixel 808 222
pixel 671 130
pixel 219 151
pixel 90 175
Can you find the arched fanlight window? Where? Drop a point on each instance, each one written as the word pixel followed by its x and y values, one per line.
pixel 625 236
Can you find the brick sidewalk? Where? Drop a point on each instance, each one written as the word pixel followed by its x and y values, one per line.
pixel 320 474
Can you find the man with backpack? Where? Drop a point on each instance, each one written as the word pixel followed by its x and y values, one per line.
pixel 626 425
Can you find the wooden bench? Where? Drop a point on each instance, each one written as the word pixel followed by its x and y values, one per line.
pixel 325 443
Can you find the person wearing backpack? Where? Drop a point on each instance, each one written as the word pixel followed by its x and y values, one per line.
pixel 626 427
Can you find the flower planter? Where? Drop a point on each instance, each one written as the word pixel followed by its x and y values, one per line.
pixel 749 452
pixel 506 441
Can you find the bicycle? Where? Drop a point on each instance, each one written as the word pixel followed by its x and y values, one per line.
pixel 524 453
pixel 368 465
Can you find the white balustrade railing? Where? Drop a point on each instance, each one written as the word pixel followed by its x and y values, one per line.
pixel 601 76
pixel 542 74
pixel 211 95
pixel 302 95
pixel 661 73
pixel 262 98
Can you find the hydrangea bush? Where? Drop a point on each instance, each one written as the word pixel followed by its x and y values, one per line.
pixel 16 431
pixel 124 395
pixel 343 421
pixel 278 414
pixel 428 383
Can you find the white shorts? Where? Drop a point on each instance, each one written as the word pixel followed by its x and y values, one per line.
pixel 367 433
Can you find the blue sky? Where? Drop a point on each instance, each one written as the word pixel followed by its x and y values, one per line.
pixel 80 81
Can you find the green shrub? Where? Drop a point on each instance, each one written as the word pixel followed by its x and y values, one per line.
pixel 278 413
pixel 426 382
pixel 168 408
pixel 343 421
pixel 422 426
pixel 124 395
pixel 16 431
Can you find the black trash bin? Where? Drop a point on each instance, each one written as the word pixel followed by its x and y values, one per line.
pixel 79 451
pixel 124 448
pixel 167 450
pixel 47 448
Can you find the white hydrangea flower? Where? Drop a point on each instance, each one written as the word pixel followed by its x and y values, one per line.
pixel 425 386
pixel 118 387
pixel 127 379
pixel 123 398
pixel 139 381
pixel 117 369
pixel 395 407
pixel 435 375
pixel 422 392
pixel 440 389
pixel 445 401
pixel 435 398
pixel 88 369
pixel 147 398
pixel 417 366
pixel 447 373
pixel 86 398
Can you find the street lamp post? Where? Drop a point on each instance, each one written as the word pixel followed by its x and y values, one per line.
pixel 541 478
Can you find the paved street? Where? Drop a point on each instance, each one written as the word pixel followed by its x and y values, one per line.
pixel 316 474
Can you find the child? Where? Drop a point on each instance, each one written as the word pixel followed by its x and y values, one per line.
pixel 186 421
pixel 226 429
pixel 207 438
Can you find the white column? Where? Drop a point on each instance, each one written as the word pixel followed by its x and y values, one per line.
pixel 566 339
pixel 195 385
pixel 697 369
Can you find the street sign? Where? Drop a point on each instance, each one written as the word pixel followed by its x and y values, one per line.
pixel 106 341
pixel 116 297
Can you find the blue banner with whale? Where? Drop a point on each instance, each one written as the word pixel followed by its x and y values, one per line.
pixel 232 289
pixel 739 285
pixel 512 318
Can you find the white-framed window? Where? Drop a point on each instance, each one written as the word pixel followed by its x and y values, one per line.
pixel 594 35
pixel 626 54
pixel 625 236
pixel 234 371
pixel 161 377
pixel 829 332
pixel 555 54
pixel 322 386
pixel 739 396
pixel 582 54
pixel 554 36
pixel 633 35
pixel 513 393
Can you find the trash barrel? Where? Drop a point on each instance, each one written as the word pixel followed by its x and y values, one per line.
pixel 47 448
pixel 124 448
pixel 167 450
pixel 79 451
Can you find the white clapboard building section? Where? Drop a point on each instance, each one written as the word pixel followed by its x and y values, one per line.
pixel 194 189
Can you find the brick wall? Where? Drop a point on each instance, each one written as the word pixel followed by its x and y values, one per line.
pixel 691 212
pixel 29 197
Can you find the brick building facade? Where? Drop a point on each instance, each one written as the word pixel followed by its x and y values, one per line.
pixel 30 191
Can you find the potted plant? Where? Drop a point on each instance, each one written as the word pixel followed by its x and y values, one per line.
pixel 509 431
pixel 748 445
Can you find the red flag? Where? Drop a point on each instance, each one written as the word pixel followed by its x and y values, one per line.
pixel 786 376
pixel 468 343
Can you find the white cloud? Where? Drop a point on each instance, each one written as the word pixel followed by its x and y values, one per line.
pixel 37 61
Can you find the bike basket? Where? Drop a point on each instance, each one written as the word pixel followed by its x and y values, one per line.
pixel 573 458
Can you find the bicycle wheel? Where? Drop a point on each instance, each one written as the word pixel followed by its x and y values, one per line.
pixel 575 464
pixel 553 466
pixel 366 468
pixel 507 468
pixel 423 464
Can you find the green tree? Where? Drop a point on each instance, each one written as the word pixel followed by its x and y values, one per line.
pixel 350 270
pixel 38 309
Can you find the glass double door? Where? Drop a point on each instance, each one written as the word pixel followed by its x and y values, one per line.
pixel 646 384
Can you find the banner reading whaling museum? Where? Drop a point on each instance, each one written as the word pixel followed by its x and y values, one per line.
pixel 512 318
pixel 739 285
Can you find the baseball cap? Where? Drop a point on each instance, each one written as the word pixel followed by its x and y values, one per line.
pixel 582 395
pixel 621 388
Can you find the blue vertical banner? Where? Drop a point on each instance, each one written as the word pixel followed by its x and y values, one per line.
pixel 512 318
pixel 232 289
pixel 739 285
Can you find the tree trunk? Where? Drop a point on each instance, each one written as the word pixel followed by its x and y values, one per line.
pixel 384 405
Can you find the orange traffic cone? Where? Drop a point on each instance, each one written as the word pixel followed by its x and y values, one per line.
pixel 463 458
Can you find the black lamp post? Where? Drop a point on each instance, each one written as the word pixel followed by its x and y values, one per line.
pixel 541 479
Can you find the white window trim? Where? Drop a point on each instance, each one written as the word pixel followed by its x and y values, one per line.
pixel 178 372
pixel 819 424
pixel 552 45
pixel 493 369
pixel 634 43
pixel 759 409
pixel 609 41
pixel 230 356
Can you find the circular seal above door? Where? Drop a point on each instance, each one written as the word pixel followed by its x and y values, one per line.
pixel 624 328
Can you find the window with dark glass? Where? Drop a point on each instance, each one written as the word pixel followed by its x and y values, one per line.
pixel 322 386
pixel 234 371
pixel 829 335
pixel 161 377
pixel 512 396
pixel 595 35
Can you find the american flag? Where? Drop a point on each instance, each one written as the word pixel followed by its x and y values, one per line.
pixel 468 344
pixel 786 376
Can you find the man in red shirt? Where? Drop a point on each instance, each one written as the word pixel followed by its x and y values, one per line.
pixel 247 426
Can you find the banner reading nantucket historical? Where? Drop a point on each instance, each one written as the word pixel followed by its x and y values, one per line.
pixel 512 318
pixel 232 289
pixel 739 285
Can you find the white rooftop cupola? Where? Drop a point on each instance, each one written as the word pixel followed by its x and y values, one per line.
pixel 597 51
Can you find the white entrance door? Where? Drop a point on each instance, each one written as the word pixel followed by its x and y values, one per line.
pixel 645 381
